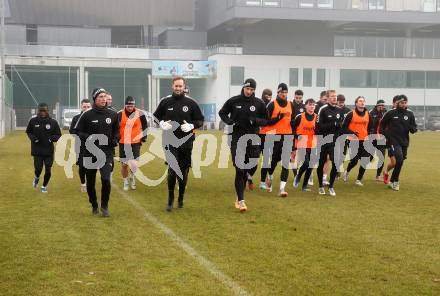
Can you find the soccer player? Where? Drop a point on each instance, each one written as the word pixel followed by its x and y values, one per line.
pixel 392 163
pixel 85 106
pixel 266 96
pixel 99 129
pixel 43 131
pixel 323 98
pixel 280 124
pixel 344 111
pixel 247 114
pixel 328 124
pixel 304 127
pixel 178 116
pixel 132 133
pixel 376 116
pixel 298 108
pixel 359 123
pixel 397 124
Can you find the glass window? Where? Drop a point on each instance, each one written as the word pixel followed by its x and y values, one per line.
pixel 271 3
pixel 320 77
pixel 52 85
pixel 358 78
pixel 415 79
pixel 293 77
pixel 307 77
pixel 369 47
pixel 237 76
pixel 429 5
pixel 433 79
pixel 359 4
pixel 253 3
pixel 392 79
pixel 325 3
pixel 306 3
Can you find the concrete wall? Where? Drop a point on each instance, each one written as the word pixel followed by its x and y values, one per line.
pixel 73 36
pixel 288 38
pixel 15 34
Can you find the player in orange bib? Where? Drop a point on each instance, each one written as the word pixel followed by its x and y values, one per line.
pixel 359 123
pixel 132 124
pixel 305 142
pixel 280 112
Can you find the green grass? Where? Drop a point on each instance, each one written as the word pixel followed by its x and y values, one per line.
pixel 368 241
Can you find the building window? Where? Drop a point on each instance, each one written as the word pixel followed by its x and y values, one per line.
pixel 429 5
pixel 237 76
pixel 293 77
pixel 253 3
pixel 268 3
pixel 320 77
pixel 307 77
pixel 358 78
pixel 306 3
pixel 325 3
pixel 433 79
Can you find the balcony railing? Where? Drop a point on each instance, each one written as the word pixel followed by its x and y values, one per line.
pixel 381 5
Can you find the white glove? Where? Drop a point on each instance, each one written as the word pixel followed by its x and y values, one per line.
pixel 165 125
pixel 187 127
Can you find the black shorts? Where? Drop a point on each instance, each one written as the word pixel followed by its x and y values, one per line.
pixel 251 151
pixel 181 155
pixel 125 154
pixel 394 149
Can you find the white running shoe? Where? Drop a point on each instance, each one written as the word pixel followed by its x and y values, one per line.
pixel 83 188
pixel 310 181
pixel 345 176
pixel 126 185
pixel 133 182
pixel 358 183
pixel 395 186
pixel 332 192
pixel 321 191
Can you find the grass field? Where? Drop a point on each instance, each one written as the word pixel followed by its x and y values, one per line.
pixel 368 241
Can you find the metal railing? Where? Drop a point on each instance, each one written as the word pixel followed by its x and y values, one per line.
pixel 427 6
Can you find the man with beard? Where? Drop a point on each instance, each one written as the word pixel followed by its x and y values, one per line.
pixel 247 114
pixel 397 124
pixel 178 116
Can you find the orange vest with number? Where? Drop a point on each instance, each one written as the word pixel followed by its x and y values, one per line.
pixel 306 132
pixel 283 126
pixel 359 125
pixel 130 128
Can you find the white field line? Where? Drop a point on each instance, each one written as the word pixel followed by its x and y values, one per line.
pixel 208 265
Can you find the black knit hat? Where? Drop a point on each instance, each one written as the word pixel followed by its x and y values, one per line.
pixel 250 83
pixel 130 100
pixel 96 92
pixel 282 87
pixel 380 103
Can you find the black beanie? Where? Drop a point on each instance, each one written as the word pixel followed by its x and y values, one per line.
pixel 250 83
pixel 282 87
pixel 380 103
pixel 130 100
pixel 96 92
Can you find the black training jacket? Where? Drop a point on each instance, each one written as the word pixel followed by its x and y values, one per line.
pixel 396 125
pixel 179 109
pixel 247 114
pixel 99 121
pixel 43 132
